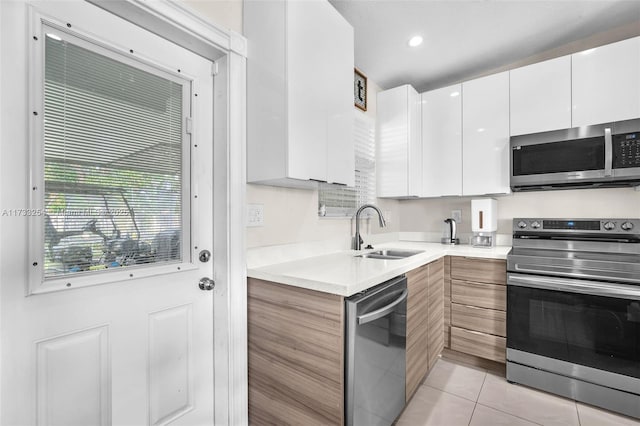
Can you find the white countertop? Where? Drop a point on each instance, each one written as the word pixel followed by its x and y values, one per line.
pixel 344 274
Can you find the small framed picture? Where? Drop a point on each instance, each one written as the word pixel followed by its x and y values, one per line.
pixel 359 89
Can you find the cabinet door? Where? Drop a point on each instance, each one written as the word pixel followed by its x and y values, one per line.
pixel 338 82
pixel 606 83
pixel 417 328
pixel 485 135
pixel 442 142
pixel 435 321
pixel 541 96
pixel 399 153
pixel 307 47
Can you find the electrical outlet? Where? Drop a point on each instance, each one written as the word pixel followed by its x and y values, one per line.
pixel 456 215
pixel 255 214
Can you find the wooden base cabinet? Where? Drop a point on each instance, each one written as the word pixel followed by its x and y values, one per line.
pixel 296 347
pixel 296 344
pixel 478 307
pixel 425 322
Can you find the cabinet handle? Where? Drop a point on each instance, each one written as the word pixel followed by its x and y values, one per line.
pixel 608 152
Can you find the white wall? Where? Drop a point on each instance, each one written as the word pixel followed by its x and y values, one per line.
pixel 428 215
pixel 225 13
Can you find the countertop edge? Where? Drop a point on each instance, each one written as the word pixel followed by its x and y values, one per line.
pixel 343 286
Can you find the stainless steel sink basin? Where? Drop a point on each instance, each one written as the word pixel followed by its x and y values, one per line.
pixel 390 254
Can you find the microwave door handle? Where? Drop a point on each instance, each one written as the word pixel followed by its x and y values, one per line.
pixel 608 152
pixel 619 291
pixel 385 310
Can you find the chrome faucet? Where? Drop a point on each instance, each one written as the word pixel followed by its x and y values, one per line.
pixel 357 239
pixel 452 231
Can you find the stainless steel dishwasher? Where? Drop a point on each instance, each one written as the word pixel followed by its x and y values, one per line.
pixel 375 354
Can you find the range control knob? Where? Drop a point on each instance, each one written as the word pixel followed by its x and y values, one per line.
pixel 609 226
pixel 522 224
pixel 627 226
pixel 535 225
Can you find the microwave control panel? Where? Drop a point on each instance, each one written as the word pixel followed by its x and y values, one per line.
pixel 626 150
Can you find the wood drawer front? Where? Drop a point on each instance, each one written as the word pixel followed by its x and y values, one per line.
pixel 479 344
pixel 492 271
pixel 489 296
pixel 489 321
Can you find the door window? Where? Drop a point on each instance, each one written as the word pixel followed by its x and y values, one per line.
pixel 116 160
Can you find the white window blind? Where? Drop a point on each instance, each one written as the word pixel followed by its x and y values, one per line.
pixel 113 160
pixel 337 201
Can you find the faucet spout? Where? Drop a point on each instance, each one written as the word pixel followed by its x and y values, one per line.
pixel 357 240
pixel 452 231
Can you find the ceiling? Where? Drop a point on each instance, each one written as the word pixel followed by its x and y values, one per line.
pixel 467 39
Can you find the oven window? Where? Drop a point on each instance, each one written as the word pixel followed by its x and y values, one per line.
pixel 559 157
pixel 595 331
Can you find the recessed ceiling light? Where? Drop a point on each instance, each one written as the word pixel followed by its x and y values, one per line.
pixel 415 41
pixel 480 130
pixel 454 94
pixel 54 37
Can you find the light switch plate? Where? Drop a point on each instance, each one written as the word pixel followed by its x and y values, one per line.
pixel 456 215
pixel 255 214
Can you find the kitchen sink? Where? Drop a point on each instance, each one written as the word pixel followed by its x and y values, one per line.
pixel 390 254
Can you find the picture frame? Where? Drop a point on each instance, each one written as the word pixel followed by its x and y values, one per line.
pixel 359 89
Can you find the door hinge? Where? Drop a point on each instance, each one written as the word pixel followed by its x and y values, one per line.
pixel 188 125
pixel 214 68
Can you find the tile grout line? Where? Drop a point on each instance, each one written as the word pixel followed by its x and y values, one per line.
pixel 498 410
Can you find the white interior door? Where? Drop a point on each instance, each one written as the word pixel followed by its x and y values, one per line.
pixel 132 344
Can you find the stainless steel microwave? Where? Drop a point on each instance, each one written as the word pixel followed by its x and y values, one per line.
pixel 602 155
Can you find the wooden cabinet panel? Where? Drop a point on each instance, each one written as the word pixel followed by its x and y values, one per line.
pixel 479 294
pixel 489 321
pixel 417 339
pixel 296 368
pixel 492 271
pixel 417 361
pixel 479 344
pixel 447 301
pixel 435 320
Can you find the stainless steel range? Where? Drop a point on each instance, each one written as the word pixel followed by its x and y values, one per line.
pixel 573 309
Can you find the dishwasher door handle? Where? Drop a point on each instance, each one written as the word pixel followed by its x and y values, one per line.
pixel 385 310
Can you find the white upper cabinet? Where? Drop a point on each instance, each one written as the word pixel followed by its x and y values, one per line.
pixel 442 142
pixel 299 94
pixel 485 131
pixel 399 153
pixel 541 96
pixel 606 83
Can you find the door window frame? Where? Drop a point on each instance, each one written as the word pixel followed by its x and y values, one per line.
pixel 41 25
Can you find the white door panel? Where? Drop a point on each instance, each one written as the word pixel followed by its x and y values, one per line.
pixel 130 352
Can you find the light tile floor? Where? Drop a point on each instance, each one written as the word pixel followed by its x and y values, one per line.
pixel 457 394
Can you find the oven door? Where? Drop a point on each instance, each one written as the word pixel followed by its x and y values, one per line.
pixel 583 323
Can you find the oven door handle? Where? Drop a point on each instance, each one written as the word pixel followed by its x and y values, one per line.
pixel 594 288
